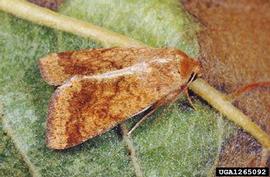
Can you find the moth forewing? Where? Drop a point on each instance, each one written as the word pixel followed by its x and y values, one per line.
pixel 88 105
pixel 56 68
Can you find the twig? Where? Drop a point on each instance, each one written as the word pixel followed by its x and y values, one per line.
pixel 218 101
pixel 46 17
pixel 42 16
pixel 232 96
pixel 131 149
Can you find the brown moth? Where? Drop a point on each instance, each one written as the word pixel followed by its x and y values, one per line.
pixel 100 88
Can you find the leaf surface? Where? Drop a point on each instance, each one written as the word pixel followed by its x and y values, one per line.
pixel 175 141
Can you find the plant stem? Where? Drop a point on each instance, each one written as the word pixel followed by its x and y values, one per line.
pixel 219 101
pixel 42 16
pixel 131 150
pixel 46 17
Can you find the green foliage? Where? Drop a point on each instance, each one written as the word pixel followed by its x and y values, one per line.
pixel 11 162
pixel 176 141
pixel 159 23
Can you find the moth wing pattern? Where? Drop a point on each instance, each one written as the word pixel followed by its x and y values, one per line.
pixel 84 108
pixel 89 104
pixel 56 68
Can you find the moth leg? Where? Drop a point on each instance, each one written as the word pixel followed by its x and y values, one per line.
pixel 172 97
pixel 189 99
pixel 239 92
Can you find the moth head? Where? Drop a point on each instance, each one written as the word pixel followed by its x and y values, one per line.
pixel 197 68
pixel 189 68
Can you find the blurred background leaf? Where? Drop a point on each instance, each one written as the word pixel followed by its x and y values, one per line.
pixel 176 141
pixel 234 51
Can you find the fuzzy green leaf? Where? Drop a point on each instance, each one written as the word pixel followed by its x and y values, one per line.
pixel 176 141
pixel 11 162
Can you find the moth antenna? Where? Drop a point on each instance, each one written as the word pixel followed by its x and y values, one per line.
pixel 239 92
pixel 191 79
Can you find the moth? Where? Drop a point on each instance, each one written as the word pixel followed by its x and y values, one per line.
pixel 100 88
